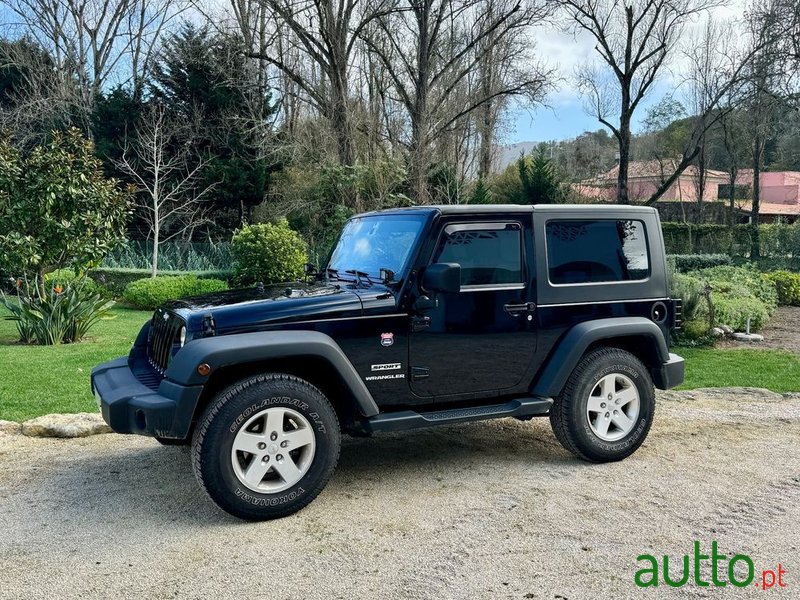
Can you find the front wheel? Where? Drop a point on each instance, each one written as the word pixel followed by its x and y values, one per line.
pixel 606 408
pixel 266 446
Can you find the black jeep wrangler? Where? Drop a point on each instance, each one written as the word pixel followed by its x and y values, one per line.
pixel 422 316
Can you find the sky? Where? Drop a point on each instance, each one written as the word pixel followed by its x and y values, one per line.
pixel 564 115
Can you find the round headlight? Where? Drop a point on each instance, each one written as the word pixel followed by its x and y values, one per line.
pixel 183 336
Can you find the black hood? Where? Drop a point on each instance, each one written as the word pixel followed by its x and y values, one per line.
pixel 250 308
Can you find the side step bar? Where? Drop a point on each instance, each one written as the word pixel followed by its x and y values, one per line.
pixel 409 419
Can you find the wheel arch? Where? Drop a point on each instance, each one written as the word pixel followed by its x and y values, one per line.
pixel 311 368
pixel 637 335
pixel 309 355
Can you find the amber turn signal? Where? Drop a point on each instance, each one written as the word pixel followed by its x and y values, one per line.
pixel 203 369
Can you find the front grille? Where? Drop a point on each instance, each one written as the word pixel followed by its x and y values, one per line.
pixel 677 319
pixel 164 338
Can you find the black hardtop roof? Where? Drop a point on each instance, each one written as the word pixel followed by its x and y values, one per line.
pixel 488 209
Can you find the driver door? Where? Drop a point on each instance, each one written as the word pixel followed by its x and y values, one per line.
pixel 482 338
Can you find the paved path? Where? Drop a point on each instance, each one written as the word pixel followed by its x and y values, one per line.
pixel 492 510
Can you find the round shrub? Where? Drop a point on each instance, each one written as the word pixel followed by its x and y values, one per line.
pixel 268 252
pixel 788 285
pixel 150 293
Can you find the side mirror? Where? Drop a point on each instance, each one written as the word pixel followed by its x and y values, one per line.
pixel 442 277
pixel 309 269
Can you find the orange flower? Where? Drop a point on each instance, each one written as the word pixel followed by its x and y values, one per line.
pixel 19 283
pixel 58 288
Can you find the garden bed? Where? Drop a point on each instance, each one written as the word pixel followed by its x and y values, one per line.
pixel 781 333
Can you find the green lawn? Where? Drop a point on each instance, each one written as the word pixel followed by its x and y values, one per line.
pixel 37 380
pixel 776 370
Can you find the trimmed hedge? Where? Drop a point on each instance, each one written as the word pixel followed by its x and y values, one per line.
pixel 116 280
pixel 788 285
pixel 692 262
pixel 777 240
pixel 151 293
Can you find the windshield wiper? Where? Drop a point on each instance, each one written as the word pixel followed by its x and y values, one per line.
pixel 359 275
pixel 329 271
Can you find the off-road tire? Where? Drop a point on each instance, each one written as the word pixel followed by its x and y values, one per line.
pixel 568 415
pixel 229 411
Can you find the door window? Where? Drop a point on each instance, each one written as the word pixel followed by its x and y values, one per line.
pixel 490 254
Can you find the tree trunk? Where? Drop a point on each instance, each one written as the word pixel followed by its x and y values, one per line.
pixel 701 180
pixel 418 167
pixel 340 121
pixel 418 162
pixel 755 240
pixel 486 141
pixel 156 241
pixel 732 204
pixel 624 156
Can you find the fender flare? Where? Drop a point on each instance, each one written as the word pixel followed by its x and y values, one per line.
pixel 572 346
pixel 243 348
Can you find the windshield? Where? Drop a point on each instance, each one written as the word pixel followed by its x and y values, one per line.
pixel 369 244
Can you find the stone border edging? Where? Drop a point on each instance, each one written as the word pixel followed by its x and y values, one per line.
pixel 58 425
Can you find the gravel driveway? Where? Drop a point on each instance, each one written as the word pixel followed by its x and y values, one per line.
pixel 486 510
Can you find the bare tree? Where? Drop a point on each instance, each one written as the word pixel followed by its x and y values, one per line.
pixel 169 195
pixel 503 62
pixel 326 34
pixel 635 41
pixel 764 87
pixel 430 47
pixel 41 99
pixel 91 39
pixel 717 77
pixel 734 145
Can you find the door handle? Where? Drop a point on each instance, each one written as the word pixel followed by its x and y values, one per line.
pixel 420 323
pixel 518 309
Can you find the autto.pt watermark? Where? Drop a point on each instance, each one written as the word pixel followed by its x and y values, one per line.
pixel 737 570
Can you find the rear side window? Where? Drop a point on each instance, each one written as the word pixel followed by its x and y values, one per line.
pixel 489 254
pixel 595 251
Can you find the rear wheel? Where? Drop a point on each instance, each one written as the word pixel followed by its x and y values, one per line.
pixel 606 408
pixel 266 446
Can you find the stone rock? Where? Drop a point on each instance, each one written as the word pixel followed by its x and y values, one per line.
pixel 726 330
pixel 717 332
pixel 10 428
pixel 748 337
pixel 65 426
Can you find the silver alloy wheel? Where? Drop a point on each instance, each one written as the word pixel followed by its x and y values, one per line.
pixel 613 407
pixel 273 450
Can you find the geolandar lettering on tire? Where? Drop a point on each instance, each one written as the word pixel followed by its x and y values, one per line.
pixel 266 446
pixel 606 407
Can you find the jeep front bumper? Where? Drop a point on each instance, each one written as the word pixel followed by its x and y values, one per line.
pixel 130 406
